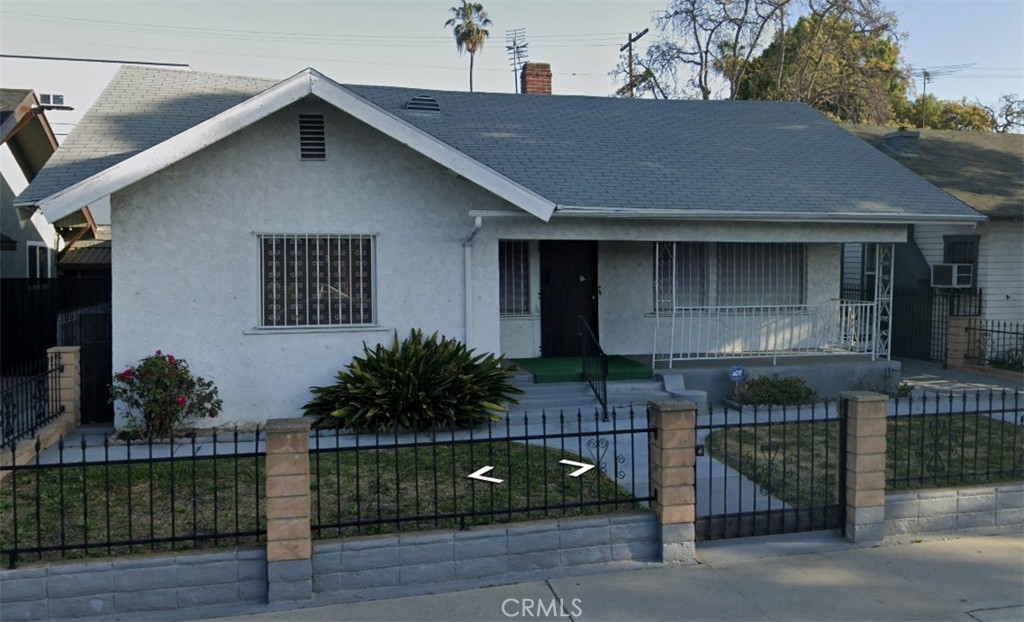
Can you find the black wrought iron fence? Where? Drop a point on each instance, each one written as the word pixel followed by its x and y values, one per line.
pixel 769 469
pixel 522 469
pixel 955 439
pixel 595 364
pixel 110 498
pixel 997 344
pixel 29 398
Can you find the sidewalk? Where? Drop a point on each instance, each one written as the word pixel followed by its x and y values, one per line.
pixel 792 577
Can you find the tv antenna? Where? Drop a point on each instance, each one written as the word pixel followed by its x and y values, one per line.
pixel 515 46
pixel 929 74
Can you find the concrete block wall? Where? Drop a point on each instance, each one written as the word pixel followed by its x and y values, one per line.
pixel 134 586
pixel 382 566
pixel 977 510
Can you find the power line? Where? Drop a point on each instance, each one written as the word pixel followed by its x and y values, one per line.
pixel 304 59
pixel 263 35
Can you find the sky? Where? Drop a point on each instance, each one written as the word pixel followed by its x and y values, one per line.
pixel 974 48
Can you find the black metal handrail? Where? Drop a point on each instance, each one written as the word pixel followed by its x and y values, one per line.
pixel 595 364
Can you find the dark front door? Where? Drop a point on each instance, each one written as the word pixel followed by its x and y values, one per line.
pixel 568 288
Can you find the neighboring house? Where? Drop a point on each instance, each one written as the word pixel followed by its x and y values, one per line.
pixel 985 170
pixel 29 243
pixel 32 245
pixel 67 88
pixel 266 231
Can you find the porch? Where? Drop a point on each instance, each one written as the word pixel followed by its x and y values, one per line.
pixel 689 301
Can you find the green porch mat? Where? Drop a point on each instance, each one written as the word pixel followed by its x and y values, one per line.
pixel 570 369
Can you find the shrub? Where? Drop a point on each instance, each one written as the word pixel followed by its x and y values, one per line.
pixel 416 384
pixel 160 395
pixel 774 390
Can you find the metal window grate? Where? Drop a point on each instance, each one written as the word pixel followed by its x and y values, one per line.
pixel 514 271
pixel 312 137
pixel 316 280
pixel 696 274
pixel 423 103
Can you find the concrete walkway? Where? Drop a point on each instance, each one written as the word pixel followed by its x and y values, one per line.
pixel 794 577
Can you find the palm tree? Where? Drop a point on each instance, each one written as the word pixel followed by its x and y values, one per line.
pixel 469 25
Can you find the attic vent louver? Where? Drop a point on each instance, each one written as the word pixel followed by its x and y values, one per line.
pixel 422 103
pixel 312 140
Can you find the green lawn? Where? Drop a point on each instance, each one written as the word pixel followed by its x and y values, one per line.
pixel 430 481
pixel 189 504
pixel 797 462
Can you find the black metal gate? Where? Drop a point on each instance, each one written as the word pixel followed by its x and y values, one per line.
pixel 921 320
pixel 91 331
pixel 769 470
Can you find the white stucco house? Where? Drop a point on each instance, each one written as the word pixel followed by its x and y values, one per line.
pixel 266 230
pixel 985 170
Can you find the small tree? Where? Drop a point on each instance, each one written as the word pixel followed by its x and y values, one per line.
pixel 160 395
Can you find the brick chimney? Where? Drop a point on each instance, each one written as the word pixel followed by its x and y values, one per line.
pixel 535 79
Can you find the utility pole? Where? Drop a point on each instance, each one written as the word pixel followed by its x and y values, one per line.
pixel 631 39
pixel 925 76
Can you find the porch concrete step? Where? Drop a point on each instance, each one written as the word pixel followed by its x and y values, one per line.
pixel 573 397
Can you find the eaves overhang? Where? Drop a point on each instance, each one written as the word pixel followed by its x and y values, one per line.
pixel 572 211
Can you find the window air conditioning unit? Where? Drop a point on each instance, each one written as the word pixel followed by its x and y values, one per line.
pixel 954 275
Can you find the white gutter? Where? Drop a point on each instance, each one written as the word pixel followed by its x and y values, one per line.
pixel 569 211
pixel 467 252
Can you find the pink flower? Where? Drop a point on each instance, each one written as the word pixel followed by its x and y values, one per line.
pixel 180 400
pixel 128 373
pixel 158 352
pixel 170 358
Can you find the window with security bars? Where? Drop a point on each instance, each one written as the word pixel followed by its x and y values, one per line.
pixel 681 277
pixel 698 274
pixel 760 275
pixel 316 280
pixel 514 277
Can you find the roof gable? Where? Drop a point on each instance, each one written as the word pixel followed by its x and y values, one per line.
pixel 107 174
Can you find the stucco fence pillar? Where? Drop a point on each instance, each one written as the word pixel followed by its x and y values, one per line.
pixel 289 548
pixel 958 340
pixel 866 423
pixel 673 459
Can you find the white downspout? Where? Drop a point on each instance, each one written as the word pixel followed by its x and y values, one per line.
pixel 467 250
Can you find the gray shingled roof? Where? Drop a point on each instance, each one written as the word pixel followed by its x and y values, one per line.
pixel 730 157
pixel 983 169
pixel 140 108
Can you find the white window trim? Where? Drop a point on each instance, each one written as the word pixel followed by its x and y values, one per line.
pixel 30 259
pixel 258 328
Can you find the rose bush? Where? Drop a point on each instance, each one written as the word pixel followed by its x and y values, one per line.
pixel 159 396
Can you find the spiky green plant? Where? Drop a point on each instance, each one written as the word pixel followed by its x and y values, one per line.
pixel 420 383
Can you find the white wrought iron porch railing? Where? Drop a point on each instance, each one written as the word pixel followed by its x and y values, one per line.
pixel 836 327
